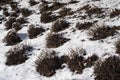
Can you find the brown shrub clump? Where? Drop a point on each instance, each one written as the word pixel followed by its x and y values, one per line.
pixel 48 64
pixel 13 5
pixel 95 10
pixel 117 47
pixel 6 13
pixel 102 33
pixel 55 40
pixel 16 26
pixel 114 13
pixel 48 17
pixel 65 11
pixel 90 61
pixel 92 10
pixel 9 22
pixel 76 64
pixel 75 60
pixel 12 38
pixel 109 69
pixel 33 2
pixel 17 55
pixel 82 26
pixel 59 25
pixel 34 31
pixel 21 20
pixel 44 7
pixel 26 12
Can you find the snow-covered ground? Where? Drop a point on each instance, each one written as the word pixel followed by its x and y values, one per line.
pixel 27 71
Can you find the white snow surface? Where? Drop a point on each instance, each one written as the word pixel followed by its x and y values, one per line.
pixel 27 71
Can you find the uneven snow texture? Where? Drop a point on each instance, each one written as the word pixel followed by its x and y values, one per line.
pixel 27 71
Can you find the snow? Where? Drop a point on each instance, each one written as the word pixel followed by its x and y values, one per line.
pixel 27 71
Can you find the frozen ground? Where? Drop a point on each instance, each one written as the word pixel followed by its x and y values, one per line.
pixel 27 71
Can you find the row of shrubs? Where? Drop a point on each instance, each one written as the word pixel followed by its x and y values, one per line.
pixel 14 22
pixel 67 11
pixel 59 25
pixel 56 40
pixel 97 32
pixel 48 62
pixel 13 38
pixel 47 17
pixel 102 32
pixel 46 11
pixel 99 11
pixel 53 40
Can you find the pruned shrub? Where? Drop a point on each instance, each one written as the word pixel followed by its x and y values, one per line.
pixel 13 5
pixel 75 60
pixel 114 13
pixel 17 10
pixel 85 25
pixel 95 10
pixel 117 47
pixel 21 20
pixel 12 38
pixel 109 69
pixel 90 61
pixel 16 26
pixel 65 59
pixel 17 55
pixel 48 17
pixel 65 11
pixel 44 7
pixel 9 22
pixel 32 2
pixel 6 13
pixel 55 40
pixel 59 26
pixel 48 64
pixel 92 10
pixel 26 12
pixel 102 32
pixel 34 31
pixel 75 63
